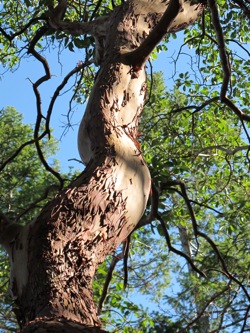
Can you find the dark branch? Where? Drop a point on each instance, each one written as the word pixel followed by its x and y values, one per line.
pixel 174 250
pixel 108 280
pixel 18 151
pixel 59 88
pixel 139 56
pixel 224 62
pixel 10 37
pixel 40 33
pixel 126 245
pixel 243 7
pixel 145 220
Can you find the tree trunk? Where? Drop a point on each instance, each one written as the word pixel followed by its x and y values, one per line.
pixel 54 258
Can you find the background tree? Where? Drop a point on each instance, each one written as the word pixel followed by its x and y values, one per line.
pixel 195 141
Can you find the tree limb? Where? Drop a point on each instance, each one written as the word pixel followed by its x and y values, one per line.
pixel 108 280
pixel 174 250
pixel 224 61
pixel 40 33
pixel 10 37
pixel 226 150
pixel 59 88
pixel 243 7
pixel 145 220
pixel 140 55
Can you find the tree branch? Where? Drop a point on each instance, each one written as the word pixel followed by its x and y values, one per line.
pixel 226 150
pixel 145 220
pixel 243 7
pixel 25 27
pixel 18 151
pixel 197 232
pixel 224 61
pixel 59 88
pixel 40 33
pixel 108 280
pixel 174 250
pixel 140 55
pixel 79 28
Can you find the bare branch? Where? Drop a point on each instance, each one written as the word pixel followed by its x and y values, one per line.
pixel 59 88
pixel 246 317
pixel 40 33
pixel 18 151
pixel 108 280
pixel 126 245
pixel 174 250
pixel 224 62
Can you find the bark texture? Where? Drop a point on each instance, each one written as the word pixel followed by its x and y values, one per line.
pixel 54 259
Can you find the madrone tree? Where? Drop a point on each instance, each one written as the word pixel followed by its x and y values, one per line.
pixel 54 258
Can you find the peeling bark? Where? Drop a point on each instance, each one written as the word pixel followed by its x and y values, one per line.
pixel 54 259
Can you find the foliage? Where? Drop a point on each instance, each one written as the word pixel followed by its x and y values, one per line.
pixel 188 137
pixel 207 151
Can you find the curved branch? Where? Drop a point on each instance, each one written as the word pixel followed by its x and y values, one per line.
pixel 18 151
pixel 140 55
pixel 25 27
pixel 108 280
pixel 224 61
pixel 59 88
pixel 195 107
pixel 174 250
pixel 40 33
pixel 145 220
